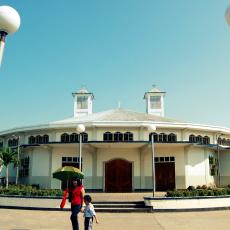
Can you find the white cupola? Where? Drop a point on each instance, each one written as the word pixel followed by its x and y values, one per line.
pixel 155 101
pixel 83 102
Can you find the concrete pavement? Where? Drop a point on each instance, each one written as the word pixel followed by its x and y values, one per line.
pixel 25 220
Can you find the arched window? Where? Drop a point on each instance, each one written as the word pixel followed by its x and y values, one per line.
pixel 10 142
pixel 163 137
pixel 45 139
pixel 128 136
pixel 206 140
pixel 107 136
pixel 199 139
pixel 39 139
pixel 14 142
pixel 172 137
pixel 31 140
pixel 192 138
pixel 228 142
pixel 155 137
pixel 74 138
pixel 219 141
pixel 224 141
pixel 65 138
pixel 84 137
pixel 118 137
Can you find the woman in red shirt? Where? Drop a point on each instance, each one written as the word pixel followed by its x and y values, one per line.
pixel 76 194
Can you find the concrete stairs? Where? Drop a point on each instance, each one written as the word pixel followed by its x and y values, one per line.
pixel 123 206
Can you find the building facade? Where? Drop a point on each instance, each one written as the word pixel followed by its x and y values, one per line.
pixel 116 149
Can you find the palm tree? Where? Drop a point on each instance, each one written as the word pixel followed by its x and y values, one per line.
pixel 8 156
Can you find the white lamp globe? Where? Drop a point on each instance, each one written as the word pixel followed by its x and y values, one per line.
pixel 152 128
pixel 227 15
pixel 81 128
pixel 9 19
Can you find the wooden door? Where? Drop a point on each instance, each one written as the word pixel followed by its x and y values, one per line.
pixel 165 176
pixel 118 176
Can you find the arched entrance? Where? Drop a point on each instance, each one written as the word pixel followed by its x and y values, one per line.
pixel 118 176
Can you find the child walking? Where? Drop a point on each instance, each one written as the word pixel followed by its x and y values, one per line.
pixel 89 213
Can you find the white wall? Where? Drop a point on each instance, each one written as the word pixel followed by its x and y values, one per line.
pixel 197 167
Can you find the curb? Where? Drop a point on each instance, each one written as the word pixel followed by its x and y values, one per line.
pixel 152 211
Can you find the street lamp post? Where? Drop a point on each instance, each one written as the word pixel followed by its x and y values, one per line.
pixel 80 130
pixel 218 156
pixel 9 23
pixel 152 128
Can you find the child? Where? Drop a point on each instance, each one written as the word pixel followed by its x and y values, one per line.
pixel 89 213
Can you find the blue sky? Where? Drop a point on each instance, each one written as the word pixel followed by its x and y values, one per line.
pixel 117 49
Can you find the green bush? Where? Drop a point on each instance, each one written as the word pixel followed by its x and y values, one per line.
pixel 28 190
pixel 198 192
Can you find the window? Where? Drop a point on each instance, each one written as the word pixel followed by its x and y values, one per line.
pixel 1 144
pixel 64 138
pixel 219 141
pixel 164 159
pixel 31 140
pixel 24 167
pixel 118 137
pixel 84 137
pixel 213 165
pixel 82 102
pixel 172 137
pixel 128 136
pixel 206 140
pixel 74 138
pixel 15 142
pixel 107 136
pixel 228 142
pixel 163 137
pixel 45 139
pixel 199 139
pixel 155 137
pixel 155 102
pixel 192 138
pixel 224 141
pixel 12 142
pixel 39 139
pixel 167 159
pixel 71 161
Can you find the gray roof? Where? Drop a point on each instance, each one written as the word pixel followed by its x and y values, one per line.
pixel 117 115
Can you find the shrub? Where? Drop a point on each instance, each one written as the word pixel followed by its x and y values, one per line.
pixel 190 188
pixel 198 192
pixel 204 187
pixel 28 190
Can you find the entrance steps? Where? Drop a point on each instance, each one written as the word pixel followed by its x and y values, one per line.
pixel 121 206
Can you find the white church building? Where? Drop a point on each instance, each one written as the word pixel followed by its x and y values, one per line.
pixel 116 149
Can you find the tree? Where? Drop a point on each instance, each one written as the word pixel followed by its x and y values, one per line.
pixel 8 156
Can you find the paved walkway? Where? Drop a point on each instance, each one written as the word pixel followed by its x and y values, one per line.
pixel 32 220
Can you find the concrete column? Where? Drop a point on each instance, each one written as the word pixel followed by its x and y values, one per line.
pixel 142 172
pixel 206 159
pixel 186 149
pixel 50 166
pixel 94 169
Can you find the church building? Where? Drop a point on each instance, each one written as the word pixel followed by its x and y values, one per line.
pixel 117 148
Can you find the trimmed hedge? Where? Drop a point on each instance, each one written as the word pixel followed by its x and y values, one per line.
pixel 199 192
pixel 28 190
